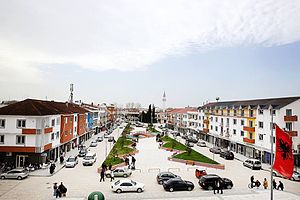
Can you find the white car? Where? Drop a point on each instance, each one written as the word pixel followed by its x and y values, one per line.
pixel 296 176
pixel 119 172
pixel 89 159
pixel 72 161
pixel 127 185
pixel 93 144
pixel 252 163
pixel 201 144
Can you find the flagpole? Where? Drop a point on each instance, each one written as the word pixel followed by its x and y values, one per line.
pixel 272 126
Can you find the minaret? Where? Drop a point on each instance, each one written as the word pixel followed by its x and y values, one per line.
pixel 164 99
pixel 71 93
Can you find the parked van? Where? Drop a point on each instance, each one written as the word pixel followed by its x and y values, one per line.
pixel 89 159
pixel 252 163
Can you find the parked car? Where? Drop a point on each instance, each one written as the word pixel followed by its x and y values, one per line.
pixel 178 184
pixel 184 136
pixel 175 133
pixel 252 163
pixel 191 139
pixel 110 138
pixel 82 152
pixel 215 150
pixel 189 144
pixel 105 135
pixel 228 155
pixel 207 182
pixel 119 172
pixel 93 144
pixel 99 139
pixel 296 176
pixel 164 176
pixel 89 159
pixel 72 161
pixel 127 185
pixel 201 144
pixel 15 174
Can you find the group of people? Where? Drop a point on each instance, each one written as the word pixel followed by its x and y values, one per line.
pixel 266 184
pixel 59 190
pixel 131 165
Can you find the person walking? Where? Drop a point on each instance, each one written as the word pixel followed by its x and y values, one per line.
pixel 252 181
pixel 274 184
pixel 62 189
pixel 55 188
pixel 112 176
pixel 265 183
pixel 133 162
pixel 52 168
pixel 218 186
pixel 280 186
pixel 102 175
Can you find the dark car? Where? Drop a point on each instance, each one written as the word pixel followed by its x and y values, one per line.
pixel 178 184
pixel 165 176
pixel 82 152
pixel 215 150
pixel 228 155
pixel 191 139
pixel 207 182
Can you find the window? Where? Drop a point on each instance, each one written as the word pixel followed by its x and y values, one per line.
pixel 251 113
pixel 242 113
pixel 75 118
pixel 234 112
pixel 211 127
pixel 1 139
pixel 289 112
pixel 234 121
pixel 52 136
pixel 2 123
pixel 57 121
pixel 216 119
pixel 222 120
pixel 260 111
pixel 71 119
pixel 288 126
pixel 260 136
pixel 250 123
pixel 242 133
pixel 75 129
pixel 216 128
pixel 274 112
pixel 260 124
pixel 20 139
pixel 53 122
pixel 21 123
pixel 234 131
pixel 57 134
pixel 228 112
pixel 250 135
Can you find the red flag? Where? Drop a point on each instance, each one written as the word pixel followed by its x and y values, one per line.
pixel 284 158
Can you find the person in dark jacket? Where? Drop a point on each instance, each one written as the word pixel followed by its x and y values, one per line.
pixel 62 189
pixel 274 184
pixel 102 173
pixel 280 186
pixel 218 185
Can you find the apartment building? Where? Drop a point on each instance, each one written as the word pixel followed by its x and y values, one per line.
pixel 245 126
pixel 33 130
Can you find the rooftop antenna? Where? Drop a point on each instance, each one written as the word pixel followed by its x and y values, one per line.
pixel 71 93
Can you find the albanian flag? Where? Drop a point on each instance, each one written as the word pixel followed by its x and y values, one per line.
pixel 284 158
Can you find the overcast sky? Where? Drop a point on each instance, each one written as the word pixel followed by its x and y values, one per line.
pixel 134 50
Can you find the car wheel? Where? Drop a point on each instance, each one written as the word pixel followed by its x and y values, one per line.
pixel 189 188
pixel 139 190
pixel 125 175
pixel 2 177
pixel 160 182
pixel 119 191
pixel 210 188
pixel 274 174
pixel 171 189
pixel 293 179
pixel 229 186
pixel 19 178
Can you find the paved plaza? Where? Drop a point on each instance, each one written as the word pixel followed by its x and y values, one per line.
pixel 82 180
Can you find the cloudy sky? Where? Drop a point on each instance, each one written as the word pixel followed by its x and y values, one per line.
pixel 134 50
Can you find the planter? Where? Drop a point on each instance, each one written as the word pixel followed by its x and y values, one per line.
pixel 191 162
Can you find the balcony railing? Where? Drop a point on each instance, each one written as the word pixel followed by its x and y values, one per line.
pixel 293 118
pixel 247 140
pixel 249 129
pixel 292 133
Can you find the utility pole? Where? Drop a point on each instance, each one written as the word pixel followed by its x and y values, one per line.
pixel 272 125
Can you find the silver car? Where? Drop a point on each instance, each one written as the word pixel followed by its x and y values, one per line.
pixel 15 174
pixel 119 172
pixel 72 161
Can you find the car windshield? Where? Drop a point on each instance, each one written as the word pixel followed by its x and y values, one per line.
pixel 88 158
pixel 117 182
pixel 71 160
pixel 296 173
pixel 133 183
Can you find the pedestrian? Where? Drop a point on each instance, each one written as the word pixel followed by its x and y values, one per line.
pixel 61 159
pixel 265 183
pixel 62 189
pixel 55 188
pixel 52 168
pixel 112 176
pixel 127 161
pixel 252 181
pixel 109 167
pixel 257 183
pixel 218 185
pixel 102 175
pixel 280 186
pixel 274 184
pixel 133 162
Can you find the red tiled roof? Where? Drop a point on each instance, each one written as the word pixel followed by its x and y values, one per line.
pixel 33 107
pixel 182 110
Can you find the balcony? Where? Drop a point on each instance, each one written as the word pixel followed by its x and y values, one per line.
pixel 249 129
pixel 206 121
pixel 250 141
pixel 293 118
pixel 292 133
pixel 205 130
pixel 29 131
